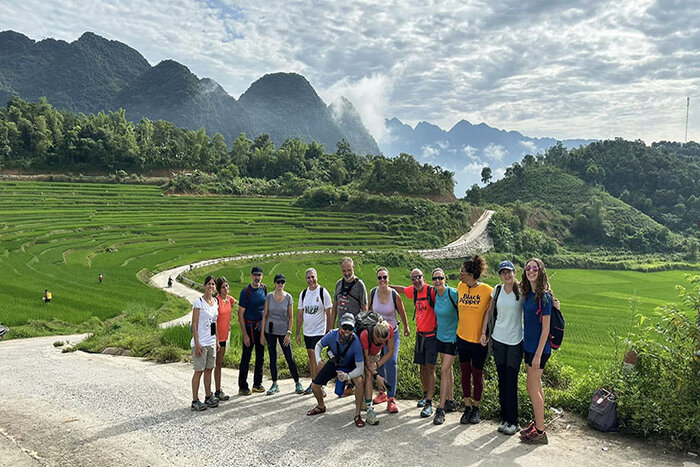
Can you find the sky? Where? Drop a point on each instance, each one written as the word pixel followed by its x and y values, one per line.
pixel 598 70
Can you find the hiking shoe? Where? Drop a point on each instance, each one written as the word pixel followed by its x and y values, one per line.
pixel 509 429
pixel 221 395
pixel 439 416
pixel 197 406
pixel 528 428
pixel 381 398
pixel 273 389
pixel 474 417
pixel 244 392
pixel 501 426
pixel 532 437
pixel 421 403
pixel 465 416
pixel 258 388
pixel 211 401
pixel 308 390
pixel 298 388
pixel 427 410
pixel 371 416
pixel 391 406
pixel 450 406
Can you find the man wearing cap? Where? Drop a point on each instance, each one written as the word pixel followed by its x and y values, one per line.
pixel 251 305
pixel 345 362
pixel 425 353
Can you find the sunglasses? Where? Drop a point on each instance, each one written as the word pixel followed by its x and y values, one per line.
pixel 346 327
pixel 438 278
pixel 280 282
pixel 382 278
pixel 417 277
pixel 532 268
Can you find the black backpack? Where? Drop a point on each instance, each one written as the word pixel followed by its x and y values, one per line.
pixel 366 320
pixel 494 315
pixel 303 296
pixel 556 326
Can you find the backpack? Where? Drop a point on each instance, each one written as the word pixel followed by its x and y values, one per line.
pixel 345 290
pixel 494 315
pixel 373 292
pixel 556 326
pixel 430 295
pixel 366 320
pixel 303 296
pixel 602 412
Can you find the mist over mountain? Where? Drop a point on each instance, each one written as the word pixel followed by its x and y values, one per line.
pixel 466 148
pixel 93 74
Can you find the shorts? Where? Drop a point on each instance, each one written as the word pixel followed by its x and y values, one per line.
pixel 207 360
pixel 311 341
pixel 448 348
pixel 543 361
pixel 222 344
pixel 474 353
pixel 327 373
pixel 425 352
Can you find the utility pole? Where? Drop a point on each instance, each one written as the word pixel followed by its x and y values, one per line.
pixel 687 110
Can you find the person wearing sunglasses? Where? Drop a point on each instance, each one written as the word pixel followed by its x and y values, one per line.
pixel 277 322
pixel 386 302
pixel 204 344
pixel 345 362
pixel 251 306
pixel 474 300
pixel 425 352
pixel 446 312
pixel 223 328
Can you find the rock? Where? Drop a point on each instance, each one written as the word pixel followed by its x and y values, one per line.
pixel 605 449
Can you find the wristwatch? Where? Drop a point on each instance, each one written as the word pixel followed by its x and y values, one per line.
pixel 289 332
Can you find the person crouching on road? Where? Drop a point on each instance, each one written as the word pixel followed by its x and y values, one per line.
pixel 345 362
pixel 277 323
pixel 204 344
pixel 223 328
pixel 373 341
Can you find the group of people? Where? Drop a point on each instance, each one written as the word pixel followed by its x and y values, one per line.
pixel 361 332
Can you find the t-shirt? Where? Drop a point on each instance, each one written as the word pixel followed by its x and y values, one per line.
pixel 425 314
pixel 207 317
pixel 374 349
pixel 509 322
pixel 533 327
pixel 446 314
pixel 350 302
pixel 315 311
pixel 277 322
pixel 223 322
pixel 354 354
pixel 473 303
pixel 253 301
pixel 386 310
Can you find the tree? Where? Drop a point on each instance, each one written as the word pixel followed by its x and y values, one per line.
pixel 486 175
pixel 473 195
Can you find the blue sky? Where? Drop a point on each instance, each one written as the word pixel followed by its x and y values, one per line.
pixel 544 68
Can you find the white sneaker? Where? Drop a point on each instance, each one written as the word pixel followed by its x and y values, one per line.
pixel 501 426
pixel 371 416
pixel 509 429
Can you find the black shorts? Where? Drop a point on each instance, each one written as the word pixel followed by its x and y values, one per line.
pixel 327 373
pixel 311 341
pixel 425 352
pixel 222 344
pixel 543 361
pixel 448 348
pixel 474 353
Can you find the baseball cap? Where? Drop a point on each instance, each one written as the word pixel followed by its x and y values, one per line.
pixel 347 318
pixel 280 277
pixel 256 270
pixel 505 265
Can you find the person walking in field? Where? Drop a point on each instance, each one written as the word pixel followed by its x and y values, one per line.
pixel 277 323
pixel 223 328
pixel 447 314
pixel 251 305
pixel 474 300
pixel 204 344
pixel 314 316
pixel 425 352
pixel 386 302
pixel 99 278
pixel 47 297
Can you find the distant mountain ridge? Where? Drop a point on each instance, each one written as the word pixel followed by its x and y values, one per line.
pixel 93 74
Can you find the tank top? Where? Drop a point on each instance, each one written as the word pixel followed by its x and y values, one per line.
pixel 386 310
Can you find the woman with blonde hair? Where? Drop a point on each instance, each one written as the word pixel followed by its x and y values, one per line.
pixel 373 341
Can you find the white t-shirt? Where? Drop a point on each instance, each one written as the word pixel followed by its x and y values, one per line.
pixel 315 311
pixel 207 316
pixel 509 322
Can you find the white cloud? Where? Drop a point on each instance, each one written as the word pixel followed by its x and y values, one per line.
pixel 530 147
pixel 470 152
pixel 429 152
pixel 494 152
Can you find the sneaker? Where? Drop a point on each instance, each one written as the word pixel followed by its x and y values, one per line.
pixel 510 429
pixel 391 406
pixel 501 426
pixel 244 392
pixel 474 417
pixel 450 406
pixel 308 390
pixel 427 410
pixel 381 398
pixel 211 401
pixel 221 395
pixel 528 428
pixel 421 403
pixel 439 416
pixel 298 388
pixel 258 388
pixel 198 406
pixel 532 437
pixel 273 389
pixel 465 416
pixel 371 416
